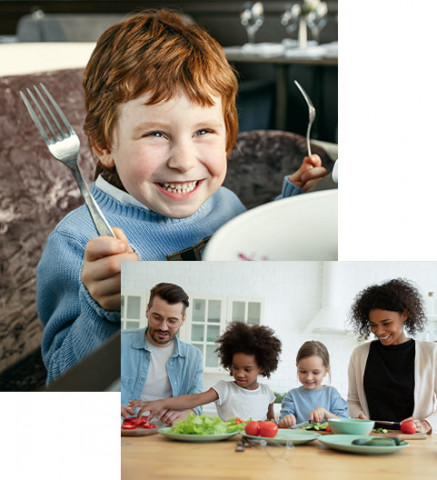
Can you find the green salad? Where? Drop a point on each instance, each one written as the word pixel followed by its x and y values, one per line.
pixel 205 425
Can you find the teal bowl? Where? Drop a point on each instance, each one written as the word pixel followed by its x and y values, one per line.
pixel 351 426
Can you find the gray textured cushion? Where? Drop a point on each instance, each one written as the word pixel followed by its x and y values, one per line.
pixel 36 192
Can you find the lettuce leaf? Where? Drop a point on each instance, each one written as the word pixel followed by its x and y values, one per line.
pixel 205 425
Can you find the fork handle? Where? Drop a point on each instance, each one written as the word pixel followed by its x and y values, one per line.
pixel 308 139
pixel 99 219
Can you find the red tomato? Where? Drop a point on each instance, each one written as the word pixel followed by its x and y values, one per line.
pixel 268 429
pixel 252 428
pixel 238 421
pixel 328 429
pixel 408 427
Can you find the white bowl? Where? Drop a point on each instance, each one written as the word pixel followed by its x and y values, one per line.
pixel 303 227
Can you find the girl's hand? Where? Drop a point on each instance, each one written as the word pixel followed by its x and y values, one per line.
pixel 101 271
pixel 156 408
pixel 422 426
pixel 318 415
pixel 170 417
pixel 288 421
pixel 309 173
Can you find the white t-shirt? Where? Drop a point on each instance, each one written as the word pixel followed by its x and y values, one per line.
pixel 157 382
pixel 235 401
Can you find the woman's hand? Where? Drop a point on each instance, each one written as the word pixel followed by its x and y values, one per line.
pixel 288 421
pixel 101 271
pixel 422 426
pixel 309 173
pixel 362 416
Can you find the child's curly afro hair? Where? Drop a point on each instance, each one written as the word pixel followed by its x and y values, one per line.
pixel 397 295
pixel 256 340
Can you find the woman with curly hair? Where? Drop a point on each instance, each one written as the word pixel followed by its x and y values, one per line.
pixel 246 351
pixel 393 377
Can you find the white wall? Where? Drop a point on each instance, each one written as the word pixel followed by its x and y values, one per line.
pixel 293 292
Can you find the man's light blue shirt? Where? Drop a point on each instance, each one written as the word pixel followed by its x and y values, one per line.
pixel 184 369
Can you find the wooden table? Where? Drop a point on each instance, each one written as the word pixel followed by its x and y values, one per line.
pixel 156 457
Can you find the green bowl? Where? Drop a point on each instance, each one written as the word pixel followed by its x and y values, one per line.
pixel 351 426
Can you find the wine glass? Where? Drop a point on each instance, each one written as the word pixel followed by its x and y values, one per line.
pixel 290 17
pixel 317 20
pixel 252 18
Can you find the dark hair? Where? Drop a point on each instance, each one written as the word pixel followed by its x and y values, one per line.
pixel 397 295
pixel 255 340
pixel 169 292
pixel 313 348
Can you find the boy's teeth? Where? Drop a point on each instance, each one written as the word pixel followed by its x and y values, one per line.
pixel 179 187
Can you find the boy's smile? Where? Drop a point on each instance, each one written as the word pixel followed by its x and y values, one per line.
pixel 170 156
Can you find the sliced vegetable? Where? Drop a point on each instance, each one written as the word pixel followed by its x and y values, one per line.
pixel 132 423
pixel 381 430
pixel 317 426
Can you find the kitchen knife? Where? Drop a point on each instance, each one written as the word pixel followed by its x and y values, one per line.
pixel 390 424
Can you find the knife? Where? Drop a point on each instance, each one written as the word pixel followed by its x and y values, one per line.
pixel 384 422
pixel 300 425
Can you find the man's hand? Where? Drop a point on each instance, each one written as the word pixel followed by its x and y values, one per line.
pixel 309 173
pixel 101 271
pixel 127 411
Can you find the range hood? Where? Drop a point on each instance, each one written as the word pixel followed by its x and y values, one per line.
pixel 332 316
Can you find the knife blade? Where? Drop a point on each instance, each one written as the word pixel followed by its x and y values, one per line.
pixel 300 425
pixel 385 422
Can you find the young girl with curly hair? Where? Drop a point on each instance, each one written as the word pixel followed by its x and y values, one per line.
pixel 312 401
pixel 393 377
pixel 246 351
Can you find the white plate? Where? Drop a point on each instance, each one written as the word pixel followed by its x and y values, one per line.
pixel 303 227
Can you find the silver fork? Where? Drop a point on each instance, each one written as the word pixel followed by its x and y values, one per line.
pixel 63 143
pixel 311 113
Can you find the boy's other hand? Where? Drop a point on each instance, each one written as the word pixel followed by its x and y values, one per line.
pixel 309 173
pixel 101 271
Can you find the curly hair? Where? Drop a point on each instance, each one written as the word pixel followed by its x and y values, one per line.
pixel 397 295
pixel 256 340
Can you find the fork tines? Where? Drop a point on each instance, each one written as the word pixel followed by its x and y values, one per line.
pixel 56 129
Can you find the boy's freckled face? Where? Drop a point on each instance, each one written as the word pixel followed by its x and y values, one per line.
pixel 170 156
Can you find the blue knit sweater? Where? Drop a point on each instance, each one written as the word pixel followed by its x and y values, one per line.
pixel 75 324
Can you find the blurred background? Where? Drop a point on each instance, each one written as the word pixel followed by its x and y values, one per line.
pixel 268 98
